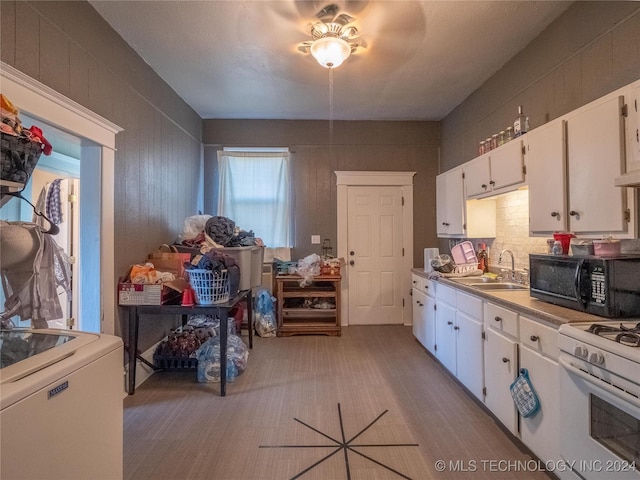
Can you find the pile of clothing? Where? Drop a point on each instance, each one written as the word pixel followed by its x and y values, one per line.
pixel 206 232
pixel 12 125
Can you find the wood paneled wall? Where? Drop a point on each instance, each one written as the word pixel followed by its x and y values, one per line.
pixel 67 46
pixel 592 49
pixel 317 153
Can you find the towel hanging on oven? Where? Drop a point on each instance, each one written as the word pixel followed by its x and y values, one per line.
pixel 524 396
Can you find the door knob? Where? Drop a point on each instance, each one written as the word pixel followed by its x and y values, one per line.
pixel 352 253
pixel 352 263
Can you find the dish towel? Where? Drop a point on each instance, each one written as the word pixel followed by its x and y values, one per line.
pixel 524 396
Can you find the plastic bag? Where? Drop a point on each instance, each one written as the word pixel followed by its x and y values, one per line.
pixel 208 356
pixel 193 226
pixel 265 323
pixel 308 268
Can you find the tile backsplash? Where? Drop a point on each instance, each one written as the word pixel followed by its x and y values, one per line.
pixel 512 232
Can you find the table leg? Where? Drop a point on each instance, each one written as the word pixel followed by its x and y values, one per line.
pixel 224 314
pixel 132 349
pixel 250 317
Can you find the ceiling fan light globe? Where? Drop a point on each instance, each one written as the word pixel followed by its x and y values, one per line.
pixel 330 52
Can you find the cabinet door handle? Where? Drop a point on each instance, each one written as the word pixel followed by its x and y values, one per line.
pixel 555 214
pixel 484 186
pixel 534 338
pixel 505 360
pixel 449 322
pixel 456 328
pixel 497 319
pixel 573 213
pixel 492 183
pixel 445 224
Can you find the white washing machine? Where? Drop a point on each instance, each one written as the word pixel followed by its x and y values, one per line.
pixel 61 413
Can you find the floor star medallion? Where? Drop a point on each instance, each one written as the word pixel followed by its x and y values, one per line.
pixel 346 446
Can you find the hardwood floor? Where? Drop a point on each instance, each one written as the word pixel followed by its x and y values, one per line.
pixel 303 398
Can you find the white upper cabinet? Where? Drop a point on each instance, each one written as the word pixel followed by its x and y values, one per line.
pixel 457 217
pixel 546 176
pixel 477 176
pixel 507 165
pixel 450 203
pixel 492 172
pixel 595 153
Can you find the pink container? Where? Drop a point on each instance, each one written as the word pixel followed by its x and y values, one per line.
pixel 606 248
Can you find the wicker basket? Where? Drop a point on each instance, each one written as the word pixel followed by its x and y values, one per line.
pixel 209 288
pixel 18 158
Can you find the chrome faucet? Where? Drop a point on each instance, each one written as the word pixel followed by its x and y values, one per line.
pixel 513 262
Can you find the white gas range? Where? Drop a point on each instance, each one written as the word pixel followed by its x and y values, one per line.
pixel 600 399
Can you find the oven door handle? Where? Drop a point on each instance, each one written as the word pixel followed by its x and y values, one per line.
pixel 616 392
pixel 578 284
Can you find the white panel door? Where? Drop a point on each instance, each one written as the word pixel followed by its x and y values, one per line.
pixel 375 255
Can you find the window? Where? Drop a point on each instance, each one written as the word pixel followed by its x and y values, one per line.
pixel 254 192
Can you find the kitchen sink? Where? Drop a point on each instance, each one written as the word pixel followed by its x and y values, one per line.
pixel 499 286
pixel 476 280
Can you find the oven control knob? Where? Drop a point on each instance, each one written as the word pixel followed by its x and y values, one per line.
pixel 580 351
pixel 596 358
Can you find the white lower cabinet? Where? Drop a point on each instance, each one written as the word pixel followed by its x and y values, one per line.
pixel 459 337
pixel 541 432
pixel 500 370
pixel 423 312
pixel 539 355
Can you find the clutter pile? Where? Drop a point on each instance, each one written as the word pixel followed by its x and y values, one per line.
pixel 205 232
pixel 197 346
pixel 20 146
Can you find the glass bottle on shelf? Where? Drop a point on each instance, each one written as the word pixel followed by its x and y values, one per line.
pixel 521 124
pixel 487 145
pixel 501 140
pixel 508 134
pixel 481 148
pixel 494 141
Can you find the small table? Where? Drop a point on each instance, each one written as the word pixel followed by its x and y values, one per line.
pixel 221 310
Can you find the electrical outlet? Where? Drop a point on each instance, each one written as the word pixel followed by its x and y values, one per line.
pixel 315 239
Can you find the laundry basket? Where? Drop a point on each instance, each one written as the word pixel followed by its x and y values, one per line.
pixel 210 287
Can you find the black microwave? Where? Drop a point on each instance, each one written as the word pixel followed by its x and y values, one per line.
pixel 609 287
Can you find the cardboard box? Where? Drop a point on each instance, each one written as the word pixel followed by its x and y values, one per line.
pixel 168 293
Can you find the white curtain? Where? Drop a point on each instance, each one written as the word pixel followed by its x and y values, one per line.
pixel 254 192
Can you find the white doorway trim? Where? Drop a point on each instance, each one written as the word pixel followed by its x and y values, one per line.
pixel 41 102
pixel 345 179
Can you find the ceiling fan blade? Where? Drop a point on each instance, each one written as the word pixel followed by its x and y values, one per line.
pixel 328 13
pixel 343 19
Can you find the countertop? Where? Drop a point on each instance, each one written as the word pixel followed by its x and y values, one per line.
pixel 521 302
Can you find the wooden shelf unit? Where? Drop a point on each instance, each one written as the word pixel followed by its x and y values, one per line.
pixel 296 313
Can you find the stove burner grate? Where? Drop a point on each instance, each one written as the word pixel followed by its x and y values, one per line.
pixel 625 335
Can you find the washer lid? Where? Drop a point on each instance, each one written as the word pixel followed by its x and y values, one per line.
pixel 25 351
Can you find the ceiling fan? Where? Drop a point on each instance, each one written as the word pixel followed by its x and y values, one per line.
pixel 333 37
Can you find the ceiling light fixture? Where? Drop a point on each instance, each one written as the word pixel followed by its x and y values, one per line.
pixel 333 39
pixel 330 52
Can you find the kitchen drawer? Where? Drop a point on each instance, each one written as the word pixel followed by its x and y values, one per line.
pixel 446 294
pixel 469 304
pixel 423 284
pixel 539 337
pixel 501 319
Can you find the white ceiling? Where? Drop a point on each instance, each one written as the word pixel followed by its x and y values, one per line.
pixel 239 59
